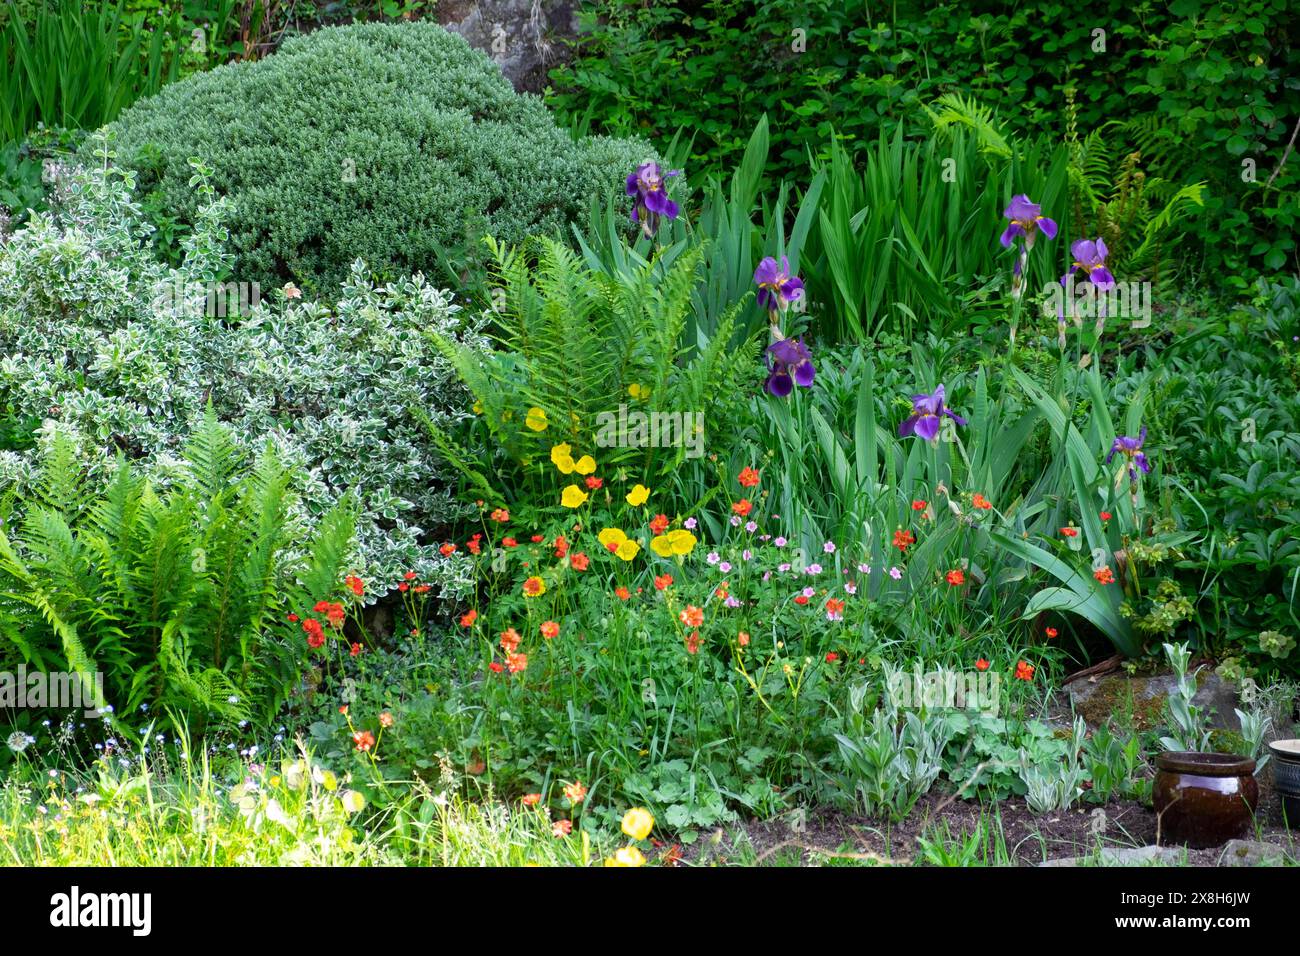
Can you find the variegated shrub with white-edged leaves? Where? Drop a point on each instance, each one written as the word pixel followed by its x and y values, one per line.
pixel 103 341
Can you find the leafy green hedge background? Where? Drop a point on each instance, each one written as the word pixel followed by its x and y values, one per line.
pixel 1197 87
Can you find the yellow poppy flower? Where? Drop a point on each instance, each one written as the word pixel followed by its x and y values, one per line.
pixel 585 466
pixel 638 822
pixel 676 541
pixel 478 408
pixel 638 391
pixel 564 462
pixel 560 452
pixel 638 495
pixel 628 856
pixel 611 536
pixel 536 419
pixel 628 550
pixel 683 542
pixel 573 497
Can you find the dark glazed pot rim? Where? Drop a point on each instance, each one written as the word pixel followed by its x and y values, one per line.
pixel 1286 750
pixel 1205 764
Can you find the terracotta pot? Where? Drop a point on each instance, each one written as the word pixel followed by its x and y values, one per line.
pixel 1286 778
pixel 1202 799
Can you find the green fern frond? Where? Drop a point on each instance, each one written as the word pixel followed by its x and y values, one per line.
pixel 953 110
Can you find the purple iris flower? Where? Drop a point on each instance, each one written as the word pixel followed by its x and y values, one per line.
pixel 1131 448
pixel 789 364
pixel 651 192
pixel 927 410
pixel 1026 220
pixel 1090 259
pixel 777 288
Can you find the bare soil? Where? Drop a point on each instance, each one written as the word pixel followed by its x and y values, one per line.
pixel 826 836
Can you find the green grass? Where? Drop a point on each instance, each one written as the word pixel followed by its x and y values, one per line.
pixel 294 812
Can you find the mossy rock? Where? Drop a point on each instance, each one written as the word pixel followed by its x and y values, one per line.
pixel 1140 701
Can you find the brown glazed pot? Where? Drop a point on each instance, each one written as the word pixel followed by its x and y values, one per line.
pixel 1204 800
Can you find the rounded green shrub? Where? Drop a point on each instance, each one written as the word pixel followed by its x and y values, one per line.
pixel 398 144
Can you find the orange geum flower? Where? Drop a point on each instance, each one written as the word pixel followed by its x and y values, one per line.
pixel 534 587
pixel 550 629
pixel 517 662
pixel 336 615
pixel 692 616
pixel 575 791
pixel 748 477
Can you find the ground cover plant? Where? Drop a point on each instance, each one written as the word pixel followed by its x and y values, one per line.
pixel 412 478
